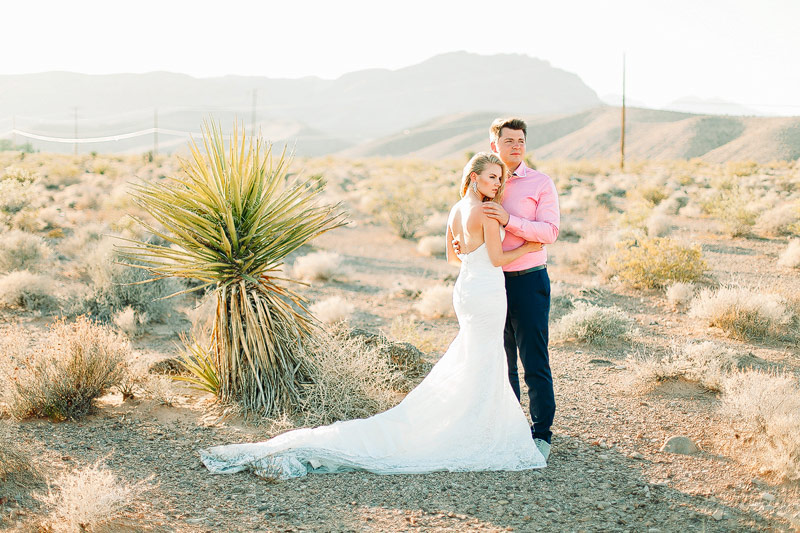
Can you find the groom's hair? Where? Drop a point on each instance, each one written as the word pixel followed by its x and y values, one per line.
pixel 512 123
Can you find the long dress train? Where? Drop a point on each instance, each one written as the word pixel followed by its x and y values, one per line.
pixel 463 416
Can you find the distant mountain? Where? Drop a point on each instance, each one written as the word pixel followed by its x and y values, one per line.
pixel 595 133
pixel 318 116
pixel 710 106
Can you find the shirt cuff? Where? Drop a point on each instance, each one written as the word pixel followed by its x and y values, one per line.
pixel 514 223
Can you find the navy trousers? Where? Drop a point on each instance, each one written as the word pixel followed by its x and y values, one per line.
pixel 526 335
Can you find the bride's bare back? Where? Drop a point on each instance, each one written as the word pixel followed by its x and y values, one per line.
pixel 466 225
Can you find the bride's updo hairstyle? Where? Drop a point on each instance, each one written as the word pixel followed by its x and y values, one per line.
pixel 478 164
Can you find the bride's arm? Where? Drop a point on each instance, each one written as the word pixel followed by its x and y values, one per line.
pixel 494 245
pixel 452 258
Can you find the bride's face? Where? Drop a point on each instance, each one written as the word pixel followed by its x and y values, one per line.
pixel 489 181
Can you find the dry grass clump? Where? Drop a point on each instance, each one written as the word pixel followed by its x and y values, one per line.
pixel 16 192
pixel 116 287
pixel 352 379
pixel 436 302
pixel 590 252
pixel 779 221
pixel 732 208
pixel 653 262
pixel 317 266
pixel 680 294
pixel 790 257
pixel 406 329
pixel 332 310
pixel 593 325
pixel 87 498
pixel 705 363
pixel 61 376
pixel 743 313
pixel 20 250
pixel 25 290
pixel 658 225
pixel 432 245
pixel 764 407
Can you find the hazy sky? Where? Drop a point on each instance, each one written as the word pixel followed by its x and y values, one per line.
pixel 747 51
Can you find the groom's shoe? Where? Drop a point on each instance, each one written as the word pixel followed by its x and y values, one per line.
pixel 544 447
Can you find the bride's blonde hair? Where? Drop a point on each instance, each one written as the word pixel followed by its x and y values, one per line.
pixel 478 164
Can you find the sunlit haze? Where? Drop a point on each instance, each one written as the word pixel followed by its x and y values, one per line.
pixel 738 51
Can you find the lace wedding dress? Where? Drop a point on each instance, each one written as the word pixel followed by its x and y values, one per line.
pixel 463 416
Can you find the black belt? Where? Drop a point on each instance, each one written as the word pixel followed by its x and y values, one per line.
pixel 523 272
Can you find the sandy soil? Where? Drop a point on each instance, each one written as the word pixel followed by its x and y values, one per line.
pixel 606 472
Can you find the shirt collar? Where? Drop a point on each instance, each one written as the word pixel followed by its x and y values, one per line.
pixel 522 170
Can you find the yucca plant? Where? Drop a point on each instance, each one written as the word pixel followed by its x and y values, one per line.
pixel 230 219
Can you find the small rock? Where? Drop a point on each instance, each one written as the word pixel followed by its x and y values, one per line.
pixel 504 502
pixel 636 455
pixel 604 457
pixel 681 445
pixel 194 520
pixel 719 514
pixel 767 497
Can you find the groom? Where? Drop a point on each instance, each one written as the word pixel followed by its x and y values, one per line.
pixel 529 212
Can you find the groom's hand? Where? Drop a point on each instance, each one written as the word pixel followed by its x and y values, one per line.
pixel 456 246
pixel 495 211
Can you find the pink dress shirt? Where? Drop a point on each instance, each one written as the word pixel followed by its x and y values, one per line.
pixel 531 200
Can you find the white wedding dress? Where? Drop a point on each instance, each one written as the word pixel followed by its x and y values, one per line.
pixel 463 416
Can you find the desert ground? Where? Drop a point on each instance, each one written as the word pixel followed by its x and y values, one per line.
pixel 675 313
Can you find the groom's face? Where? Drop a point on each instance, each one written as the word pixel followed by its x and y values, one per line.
pixel 510 146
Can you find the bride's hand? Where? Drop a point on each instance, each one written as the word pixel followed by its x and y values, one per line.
pixel 532 246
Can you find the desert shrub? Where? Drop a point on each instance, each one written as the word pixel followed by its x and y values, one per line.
pixel 317 266
pixel 590 252
pixel 741 168
pixel 16 191
pixel 25 290
pixel 731 208
pixel 332 310
pixel 763 407
pixel 87 498
pixel 436 302
pixel 743 313
pixel 436 224
pixel 654 262
pixel 22 251
pixel 658 225
pixel 705 363
pixel 406 329
pixel 402 207
pixel 352 379
pixel 116 286
pixel 82 239
pixel 680 294
pixel 594 325
pixel 60 378
pixel 779 221
pixel 653 194
pixel 432 245
pixel 673 205
pixel 790 257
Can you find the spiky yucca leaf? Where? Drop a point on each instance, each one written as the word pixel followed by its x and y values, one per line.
pixel 231 218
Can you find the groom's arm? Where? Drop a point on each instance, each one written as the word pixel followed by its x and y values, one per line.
pixel 544 228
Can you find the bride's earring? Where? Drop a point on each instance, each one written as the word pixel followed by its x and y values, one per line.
pixel 475 186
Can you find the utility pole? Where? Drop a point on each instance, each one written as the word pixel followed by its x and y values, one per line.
pixel 253 114
pixel 76 131
pixel 622 137
pixel 155 131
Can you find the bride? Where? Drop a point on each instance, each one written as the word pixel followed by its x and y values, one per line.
pixel 463 415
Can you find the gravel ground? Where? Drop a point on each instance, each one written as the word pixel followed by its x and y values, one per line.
pixel 606 472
